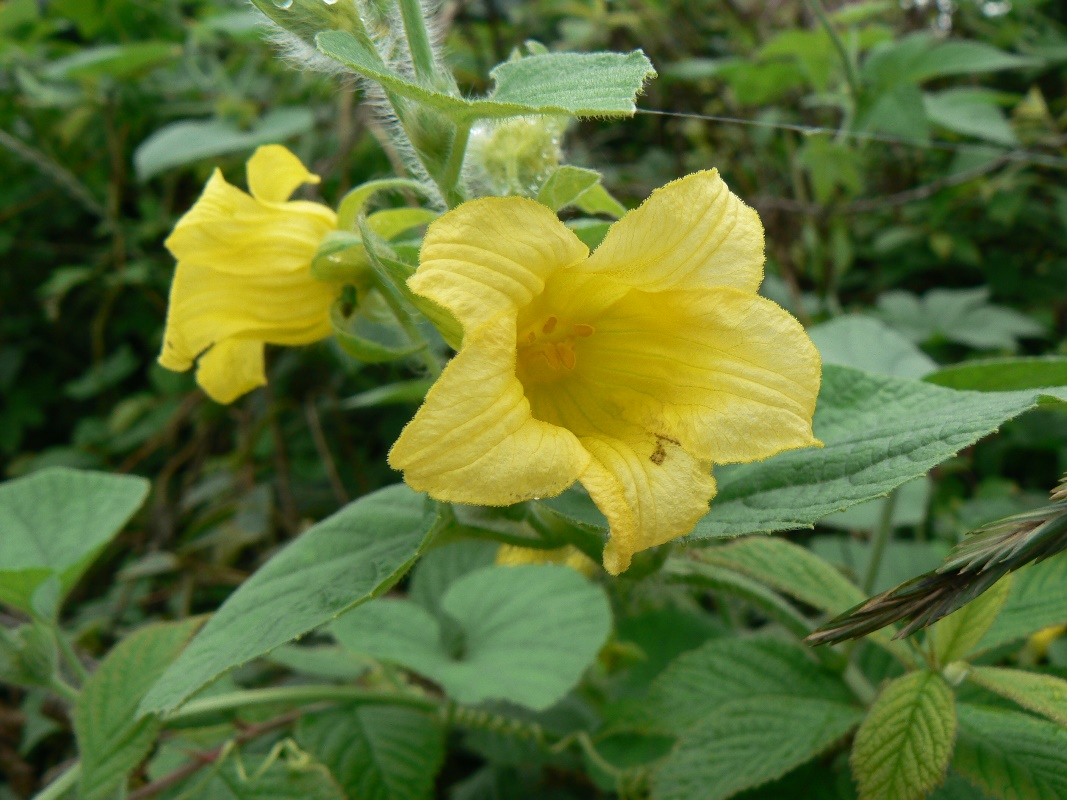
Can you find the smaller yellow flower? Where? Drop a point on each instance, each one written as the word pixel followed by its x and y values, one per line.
pixel 243 277
pixel 511 555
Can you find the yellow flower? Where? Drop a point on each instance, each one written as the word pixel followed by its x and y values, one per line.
pixel 243 277
pixel 632 370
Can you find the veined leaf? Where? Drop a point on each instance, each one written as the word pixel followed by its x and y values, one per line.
pixel 43 541
pixel 697 683
pixel 111 739
pixel 749 742
pixel 575 84
pixel 347 559
pixel 1012 756
pixel 956 635
pixel 903 747
pixel 377 752
pixel 521 634
pixel 566 185
pixel 1045 694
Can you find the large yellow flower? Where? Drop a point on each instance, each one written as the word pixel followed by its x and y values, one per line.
pixel 243 277
pixel 632 370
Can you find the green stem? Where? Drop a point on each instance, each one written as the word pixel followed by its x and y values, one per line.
pixel 63 689
pixel 300 694
pixel 858 683
pixel 850 72
pixel 422 57
pixel 72 658
pixel 881 539
pixel 449 181
pixel 61 785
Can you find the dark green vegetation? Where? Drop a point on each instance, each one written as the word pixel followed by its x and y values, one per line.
pixel 922 237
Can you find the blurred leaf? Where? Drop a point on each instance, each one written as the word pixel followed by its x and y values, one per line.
pixel 598 200
pixel 111 739
pixel 1003 374
pixel 959 315
pixel 401 393
pixel 281 775
pixel 909 510
pixel 102 376
pixel 903 559
pixel 369 340
pixel 576 84
pixel 1043 694
pixel 831 166
pixel 921 56
pixel 377 752
pixel 118 61
pixel 496 649
pixel 898 112
pixel 1011 756
pixel 956 635
pixel 698 683
pixel 442 566
pixel 903 747
pixel 869 344
pixel 53 524
pixel 972 112
pixel 187 141
pixel 749 742
pixel 347 559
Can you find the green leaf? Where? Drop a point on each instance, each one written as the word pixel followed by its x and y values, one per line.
pixel 575 84
pixel 909 510
pixel 399 393
pixel 903 747
pixel 118 61
pixel 749 742
pixel 697 683
pixel 598 200
pixel 1012 756
pixel 370 340
pixel 956 635
pixel 111 739
pixel 281 775
pixel 443 566
pixel 1044 694
pixel 566 185
pixel 789 568
pixel 42 539
pixel 869 344
pixel 522 634
pixel 1003 374
pixel 1038 598
pixel 879 432
pixel 347 559
pixel 922 56
pixel 188 141
pixel 972 112
pixel 377 752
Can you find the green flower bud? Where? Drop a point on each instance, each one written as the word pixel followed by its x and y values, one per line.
pixel 305 18
pixel 515 156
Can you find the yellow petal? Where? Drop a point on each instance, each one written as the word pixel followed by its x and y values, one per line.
pixel 474 439
pixel 491 256
pixel 691 233
pixel 651 490
pixel 208 307
pixel 274 173
pixel 230 369
pixel 231 232
pixel 643 479
pixel 510 555
pixel 728 374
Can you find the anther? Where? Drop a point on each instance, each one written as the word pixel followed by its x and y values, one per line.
pixel 550 325
pixel 566 355
pixel 582 330
pixel 532 337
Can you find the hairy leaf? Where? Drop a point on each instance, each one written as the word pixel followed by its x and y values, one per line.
pixel 1045 694
pixel 956 635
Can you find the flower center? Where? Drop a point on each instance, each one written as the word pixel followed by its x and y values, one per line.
pixel 547 348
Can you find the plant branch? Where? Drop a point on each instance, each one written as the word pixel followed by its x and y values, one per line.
pixel 299 694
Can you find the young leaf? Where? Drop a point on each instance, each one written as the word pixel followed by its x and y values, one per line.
pixel 111 739
pixel 522 634
pixel 748 742
pixel 879 432
pixel 956 635
pixel 1045 694
pixel 903 747
pixel 697 683
pixel 379 752
pixel 575 84
pixel 1012 756
pixel 347 559
pixel 566 185
pixel 45 540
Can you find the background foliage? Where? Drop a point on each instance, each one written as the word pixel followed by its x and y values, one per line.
pixel 929 234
